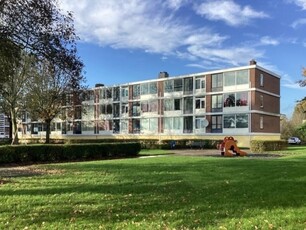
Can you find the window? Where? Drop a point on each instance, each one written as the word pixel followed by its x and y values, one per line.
pixel 116 94
pixel 153 106
pixel 144 89
pixel 242 99
pixel 242 77
pixel 229 121
pixel 148 124
pixel 177 104
pixel 261 101
pixel 188 102
pixel 188 124
pixel 242 121
pixel 178 85
pixel 173 123
pixel 168 86
pixel 188 85
pixel 200 103
pixel 136 109
pixel 235 121
pixel 124 125
pixel 153 88
pixel 116 110
pixel 124 92
pixel 229 78
pixel 217 102
pixel 136 125
pixel 200 83
pixel 229 100
pixel 261 80
pixel 124 108
pixel 216 124
pixel 136 91
pixel 261 123
pixel 168 104
pixel 217 82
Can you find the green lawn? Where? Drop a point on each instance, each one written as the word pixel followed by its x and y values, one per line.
pixel 169 192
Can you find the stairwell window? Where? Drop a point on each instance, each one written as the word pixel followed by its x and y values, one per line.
pixel 261 123
pixel 261 80
pixel 261 101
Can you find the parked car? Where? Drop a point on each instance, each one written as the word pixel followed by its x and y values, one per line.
pixel 294 140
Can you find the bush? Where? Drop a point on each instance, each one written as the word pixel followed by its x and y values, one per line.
pixel 259 146
pixel 74 152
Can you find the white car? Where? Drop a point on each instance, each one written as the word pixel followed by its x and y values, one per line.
pixel 294 140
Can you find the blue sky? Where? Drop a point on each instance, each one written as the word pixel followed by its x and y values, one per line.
pixel 124 41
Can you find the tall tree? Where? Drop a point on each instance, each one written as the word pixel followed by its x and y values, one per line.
pixel 39 28
pixel 13 91
pixel 46 93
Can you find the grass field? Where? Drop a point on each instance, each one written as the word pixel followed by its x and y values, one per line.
pixel 169 192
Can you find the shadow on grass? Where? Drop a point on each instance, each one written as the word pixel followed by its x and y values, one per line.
pixel 192 192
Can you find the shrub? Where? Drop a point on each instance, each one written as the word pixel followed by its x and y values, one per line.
pixel 73 152
pixel 258 146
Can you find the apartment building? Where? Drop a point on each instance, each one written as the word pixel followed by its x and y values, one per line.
pixel 4 126
pixel 242 102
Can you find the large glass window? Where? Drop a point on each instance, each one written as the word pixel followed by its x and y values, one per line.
pixel 177 104
pixel 149 124
pixel 116 110
pixel 116 94
pixel 136 91
pixel 153 88
pixel 217 82
pixel 188 85
pixel 173 123
pixel 188 124
pixel 188 105
pixel 229 78
pixel 217 102
pixel 242 121
pixel 242 77
pixel 168 85
pixel 236 121
pixel 178 85
pixel 144 88
pixel 168 104
pixel 229 121
pixel 242 99
pixel 216 124
pixel 229 100
pixel 136 125
pixel 136 108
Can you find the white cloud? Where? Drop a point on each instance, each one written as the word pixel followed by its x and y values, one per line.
pixel 266 40
pixel 229 12
pixel 232 55
pixel 152 26
pixel 300 3
pixel 176 4
pixel 298 23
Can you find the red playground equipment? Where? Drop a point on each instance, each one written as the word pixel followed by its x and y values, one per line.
pixel 229 146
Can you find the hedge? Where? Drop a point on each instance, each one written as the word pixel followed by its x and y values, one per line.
pixel 259 146
pixel 73 152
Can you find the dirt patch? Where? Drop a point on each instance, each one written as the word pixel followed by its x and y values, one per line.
pixel 23 171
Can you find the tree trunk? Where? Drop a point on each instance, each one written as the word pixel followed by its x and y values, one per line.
pixel 15 139
pixel 48 122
